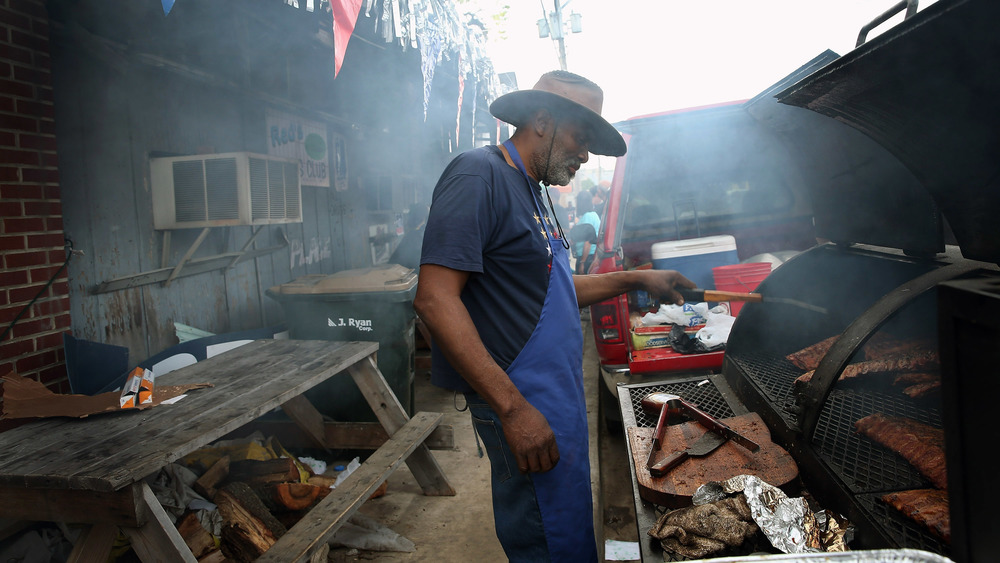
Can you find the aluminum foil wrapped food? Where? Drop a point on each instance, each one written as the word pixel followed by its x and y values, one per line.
pixel 789 523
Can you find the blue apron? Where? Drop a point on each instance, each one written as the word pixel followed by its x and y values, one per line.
pixel 549 373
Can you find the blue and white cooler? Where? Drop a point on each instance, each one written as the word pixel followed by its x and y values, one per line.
pixel 694 258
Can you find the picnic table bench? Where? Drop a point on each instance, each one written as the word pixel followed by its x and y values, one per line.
pixel 92 470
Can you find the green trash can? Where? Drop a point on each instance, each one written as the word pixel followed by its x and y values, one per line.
pixel 369 304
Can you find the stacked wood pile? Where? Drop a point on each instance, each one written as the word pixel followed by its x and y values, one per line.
pixel 258 501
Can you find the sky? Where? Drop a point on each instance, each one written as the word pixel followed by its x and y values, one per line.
pixel 651 56
pixel 656 55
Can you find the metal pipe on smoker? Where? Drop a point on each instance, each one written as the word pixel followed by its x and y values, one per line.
pixel 911 8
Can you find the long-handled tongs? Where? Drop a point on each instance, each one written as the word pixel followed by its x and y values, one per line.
pixel 673 403
pixel 661 424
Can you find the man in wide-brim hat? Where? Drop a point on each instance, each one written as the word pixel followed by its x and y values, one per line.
pixel 502 306
pixel 570 96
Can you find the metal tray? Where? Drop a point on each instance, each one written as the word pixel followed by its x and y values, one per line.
pixel 869 556
pixel 711 394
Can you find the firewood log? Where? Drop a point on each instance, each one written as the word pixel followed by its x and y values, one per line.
pixel 213 557
pixel 207 483
pixel 294 496
pixel 248 529
pixel 251 471
pixel 195 535
pixel 322 480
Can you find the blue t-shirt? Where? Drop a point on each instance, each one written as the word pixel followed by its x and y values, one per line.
pixel 590 218
pixel 486 219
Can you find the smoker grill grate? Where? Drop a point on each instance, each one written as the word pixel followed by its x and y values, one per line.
pixel 705 396
pixel 775 377
pixel 866 469
pixel 861 464
pixel 904 531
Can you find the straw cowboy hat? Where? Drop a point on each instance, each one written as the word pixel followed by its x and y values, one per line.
pixel 566 93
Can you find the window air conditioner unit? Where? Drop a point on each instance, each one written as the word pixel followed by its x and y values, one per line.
pixel 217 190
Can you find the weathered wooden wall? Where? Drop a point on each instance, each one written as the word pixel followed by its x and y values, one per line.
pixel 124 96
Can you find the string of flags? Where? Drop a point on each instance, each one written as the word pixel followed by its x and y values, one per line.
pixel 345 16
pixel 440 32
pixel 435 27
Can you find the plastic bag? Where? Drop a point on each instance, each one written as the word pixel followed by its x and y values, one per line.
pixel 684 343
pixel 713 336
pixel 362 532
pixel 716 331
pixel 688 314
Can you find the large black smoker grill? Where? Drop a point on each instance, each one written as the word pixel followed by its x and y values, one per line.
pixel 928 92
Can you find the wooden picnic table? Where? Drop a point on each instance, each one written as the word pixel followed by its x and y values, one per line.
pixel 91 470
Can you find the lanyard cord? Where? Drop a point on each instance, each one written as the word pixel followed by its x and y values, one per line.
pixel 562 235
pixel 516 157
pixel 552 208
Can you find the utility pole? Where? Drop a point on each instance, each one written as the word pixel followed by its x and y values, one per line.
pixel 552 24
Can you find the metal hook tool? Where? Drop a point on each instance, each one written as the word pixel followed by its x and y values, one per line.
pixel 714 295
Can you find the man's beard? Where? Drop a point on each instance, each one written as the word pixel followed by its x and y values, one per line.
pixel 557 168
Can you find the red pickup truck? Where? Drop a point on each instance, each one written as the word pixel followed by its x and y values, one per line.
pixel 724 169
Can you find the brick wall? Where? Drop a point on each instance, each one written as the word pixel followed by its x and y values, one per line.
pixel 31 231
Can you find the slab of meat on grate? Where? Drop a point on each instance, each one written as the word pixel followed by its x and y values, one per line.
pixel 919 390
pixel 926 506
pixel 922 362
pixel 880 347
pixel 919 383
pixel 917 377
pixel 918 443
pixel 808 358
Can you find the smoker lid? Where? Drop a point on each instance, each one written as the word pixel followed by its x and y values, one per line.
pixel 928 90
pixel 861 193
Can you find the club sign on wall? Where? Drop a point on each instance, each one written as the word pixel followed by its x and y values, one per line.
pixel 291 136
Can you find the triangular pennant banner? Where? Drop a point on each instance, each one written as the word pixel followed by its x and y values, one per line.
pixel 167 6
pixel 345 16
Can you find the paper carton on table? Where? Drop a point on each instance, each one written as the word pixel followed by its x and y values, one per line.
pixel 138 388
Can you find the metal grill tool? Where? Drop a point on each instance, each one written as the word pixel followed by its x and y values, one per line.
pixel 668 404
pixel 714 295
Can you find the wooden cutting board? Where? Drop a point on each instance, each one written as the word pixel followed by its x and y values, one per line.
pixel 674 490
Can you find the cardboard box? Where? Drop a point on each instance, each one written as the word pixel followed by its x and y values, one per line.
pixel 138 388
pixel 648 337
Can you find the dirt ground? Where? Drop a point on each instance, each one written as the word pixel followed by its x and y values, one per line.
pixel 460 528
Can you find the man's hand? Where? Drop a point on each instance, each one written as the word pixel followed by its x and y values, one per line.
pixel 595 288
pixel 661 284
pixel 530 438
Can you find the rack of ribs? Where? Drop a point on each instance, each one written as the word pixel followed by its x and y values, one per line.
pixel 879 347
pixel 926 506
pixel 922 362
pixel 808 358
pixel 917 443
